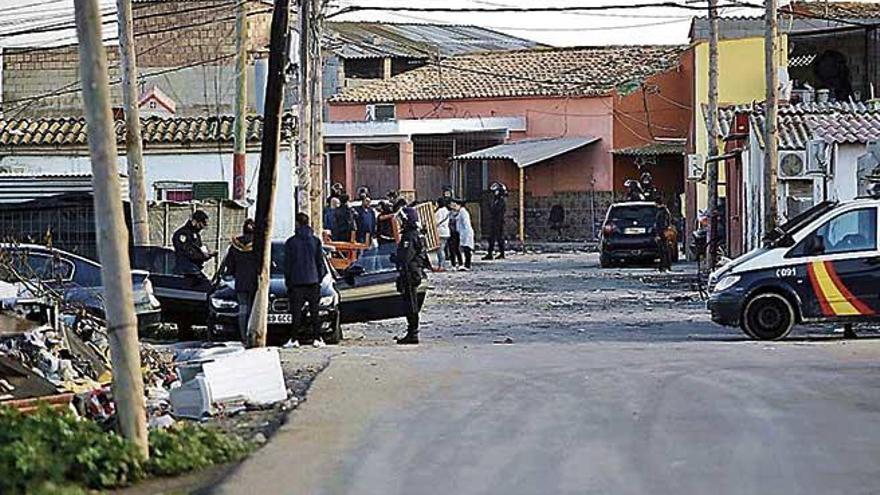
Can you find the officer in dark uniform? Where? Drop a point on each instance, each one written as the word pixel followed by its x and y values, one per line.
pixel 497 208
pixel 411 259
pixel 190 254
pixel 661 225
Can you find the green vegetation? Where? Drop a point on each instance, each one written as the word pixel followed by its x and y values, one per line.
pixel 56 453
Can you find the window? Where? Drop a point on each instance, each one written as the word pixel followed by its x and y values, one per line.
pixel 377 259
pixel 380 112
pixel 849 232
pixel 48 268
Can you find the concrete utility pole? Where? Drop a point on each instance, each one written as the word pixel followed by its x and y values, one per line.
pixel 239 154
pixel 771 142
pixel 134 151
pixel 128 384
pixel 712 128
pixel 268 169
pixel 316 105
pixel 304 120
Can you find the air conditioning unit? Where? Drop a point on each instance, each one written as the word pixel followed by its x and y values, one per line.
pixel 818 157
pixel 792 165
pixel 696 167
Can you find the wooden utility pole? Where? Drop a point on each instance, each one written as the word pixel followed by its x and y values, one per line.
pixel 316 105
pixel 134 151
pixel 239 154
pixel 269 169
pixel 304 120
pixel 771 142
pixel 128 384
pixel 712 128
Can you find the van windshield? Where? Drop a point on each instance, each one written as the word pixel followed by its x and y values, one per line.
pixel 798 222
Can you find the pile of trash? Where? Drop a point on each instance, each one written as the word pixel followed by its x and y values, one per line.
pixel 52 355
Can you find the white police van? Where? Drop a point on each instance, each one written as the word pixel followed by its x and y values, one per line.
pixel 823 265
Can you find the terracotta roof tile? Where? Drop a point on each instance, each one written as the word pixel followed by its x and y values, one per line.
pixel 155 130
pixel 835 122
pixel 838 10
pixel 579 71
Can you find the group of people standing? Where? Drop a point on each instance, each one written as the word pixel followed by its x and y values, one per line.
pixel 456 232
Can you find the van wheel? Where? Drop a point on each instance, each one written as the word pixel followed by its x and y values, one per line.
pixel 604 261
pixel 768 316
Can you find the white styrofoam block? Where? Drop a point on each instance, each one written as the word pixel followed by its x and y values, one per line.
pixel 254 374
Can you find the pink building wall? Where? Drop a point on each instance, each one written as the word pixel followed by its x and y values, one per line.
pixel 545 117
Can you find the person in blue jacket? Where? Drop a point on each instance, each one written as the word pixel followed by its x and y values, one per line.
pixel 304 269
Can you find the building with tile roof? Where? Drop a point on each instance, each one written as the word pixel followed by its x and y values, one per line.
pixel 623 98
pixel 182 155
pixel 820 144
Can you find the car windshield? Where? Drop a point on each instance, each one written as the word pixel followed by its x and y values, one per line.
pixel 633 215
pixel 377 259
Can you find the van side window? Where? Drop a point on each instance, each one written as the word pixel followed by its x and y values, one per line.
pixel 850 232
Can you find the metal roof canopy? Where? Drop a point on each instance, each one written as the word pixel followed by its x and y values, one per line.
pixel 528 152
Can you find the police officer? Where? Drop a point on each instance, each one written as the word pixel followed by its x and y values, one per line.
pixel 190 254
pixel 411 259
pixel 496 220
pixel 661 225
pixel 241 264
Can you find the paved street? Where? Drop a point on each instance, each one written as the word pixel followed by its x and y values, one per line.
pixel 615 383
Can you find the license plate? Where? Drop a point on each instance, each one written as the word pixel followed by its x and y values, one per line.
pixel 634 230
pixel 280 318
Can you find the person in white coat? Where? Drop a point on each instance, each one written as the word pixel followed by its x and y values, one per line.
pixel 465 231
pixel 442 218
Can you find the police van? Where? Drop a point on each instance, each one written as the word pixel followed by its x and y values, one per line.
pixel 822 265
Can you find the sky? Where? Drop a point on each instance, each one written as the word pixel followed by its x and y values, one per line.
pixel 644 26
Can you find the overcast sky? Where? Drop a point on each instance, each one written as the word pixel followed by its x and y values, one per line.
pixel 658 25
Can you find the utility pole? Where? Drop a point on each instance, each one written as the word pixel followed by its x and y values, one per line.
pixel 239 160
pixel 134 151
pixel 316 105
pixel 771 142
pixel 128 384
pixel 304 120
pixel 712 128
pixel 268 169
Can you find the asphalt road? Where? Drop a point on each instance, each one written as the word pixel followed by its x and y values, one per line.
pixel 655 400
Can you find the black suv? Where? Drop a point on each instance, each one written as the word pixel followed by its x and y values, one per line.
pixel 628 234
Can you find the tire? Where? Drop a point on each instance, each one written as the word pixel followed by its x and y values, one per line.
pixel 334 335
pixel 604 261
pixel 768 316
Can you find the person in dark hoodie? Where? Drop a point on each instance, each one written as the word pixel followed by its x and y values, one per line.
pixel 343 221
pixel 241 264
pixel 411 259
pixel 304 269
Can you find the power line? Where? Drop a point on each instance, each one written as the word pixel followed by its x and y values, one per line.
pixel 668 21
pixel 496 10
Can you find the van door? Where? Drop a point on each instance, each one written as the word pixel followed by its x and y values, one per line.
pixel 843 265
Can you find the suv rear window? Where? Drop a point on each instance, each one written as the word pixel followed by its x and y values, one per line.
pixel 641 215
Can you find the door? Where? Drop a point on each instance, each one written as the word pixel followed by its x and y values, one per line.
pixel 734 207
pixel 372 293
pixel 843 265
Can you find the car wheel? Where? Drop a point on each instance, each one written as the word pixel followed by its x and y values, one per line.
pixel 604 261
pixel 334 335
pixel 768 316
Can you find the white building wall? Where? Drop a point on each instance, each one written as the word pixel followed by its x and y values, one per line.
pixel 843 184
pixel 184 167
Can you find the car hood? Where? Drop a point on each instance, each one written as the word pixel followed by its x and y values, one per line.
pixel 739 264
pixel 226 288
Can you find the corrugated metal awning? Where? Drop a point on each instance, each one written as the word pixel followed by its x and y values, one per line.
pixel 528 152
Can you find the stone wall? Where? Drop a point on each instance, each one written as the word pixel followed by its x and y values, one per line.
pixel 168 36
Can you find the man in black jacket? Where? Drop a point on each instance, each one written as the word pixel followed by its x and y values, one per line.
pixel 304 269
pixel 411 259
pixel 241 264
pixel 190 254
pixel 497 208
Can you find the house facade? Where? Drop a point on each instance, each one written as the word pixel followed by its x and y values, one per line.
pixel 614 101
pixel 185 158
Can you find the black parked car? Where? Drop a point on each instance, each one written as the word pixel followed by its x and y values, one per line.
pixel 223 305
pixel 366 291
pixel 79 279
pixel 628 234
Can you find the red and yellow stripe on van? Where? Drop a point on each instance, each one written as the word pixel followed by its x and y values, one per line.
pixel 834 298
